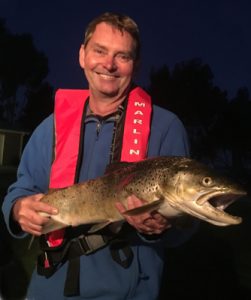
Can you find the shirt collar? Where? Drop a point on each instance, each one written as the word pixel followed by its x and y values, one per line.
pixel 91 117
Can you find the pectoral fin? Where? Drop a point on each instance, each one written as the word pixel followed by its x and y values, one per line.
pixel 52 225
pixel 31 242
pixel 144 208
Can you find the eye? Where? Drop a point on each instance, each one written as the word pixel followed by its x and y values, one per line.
pixel 206 181
pixel 124 57
pixel 99 51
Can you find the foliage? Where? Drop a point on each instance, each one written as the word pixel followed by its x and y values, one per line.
pixel 21 66
pixel 216 125
pixel 39 105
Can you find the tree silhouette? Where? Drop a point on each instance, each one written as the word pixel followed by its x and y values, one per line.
pixel 39 105
pixel 234 130
pixel 21 66
pixel 189 92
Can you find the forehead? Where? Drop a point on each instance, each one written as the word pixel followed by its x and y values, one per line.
pixel 109 36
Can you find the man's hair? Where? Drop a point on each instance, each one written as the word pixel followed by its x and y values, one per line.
pixel 120 22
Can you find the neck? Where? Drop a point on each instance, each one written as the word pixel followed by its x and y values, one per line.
pixel 104 108
pixel 105 105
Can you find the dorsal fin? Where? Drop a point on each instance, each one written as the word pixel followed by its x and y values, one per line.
pixel 117 166
pixel 52 190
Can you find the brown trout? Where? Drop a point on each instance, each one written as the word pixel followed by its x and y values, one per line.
pixel 173 186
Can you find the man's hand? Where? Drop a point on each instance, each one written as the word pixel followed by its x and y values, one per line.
pixel 26 212
pixel 146 223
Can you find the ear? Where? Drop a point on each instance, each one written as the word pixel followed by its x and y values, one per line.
pixel 82 56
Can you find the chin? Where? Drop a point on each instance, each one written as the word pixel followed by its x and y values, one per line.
pixel 110 93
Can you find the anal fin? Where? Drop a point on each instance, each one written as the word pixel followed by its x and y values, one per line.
pixel 99 226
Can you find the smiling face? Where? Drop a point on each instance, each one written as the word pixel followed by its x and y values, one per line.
pixel 108 62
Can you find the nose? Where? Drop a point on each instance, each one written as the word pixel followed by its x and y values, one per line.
pixel 110 63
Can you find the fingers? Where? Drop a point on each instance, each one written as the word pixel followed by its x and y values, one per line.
pixel 146 223
pixel 26 211
pixel 157 223
pixel 40 206
pixel 135 221
pixel 31 228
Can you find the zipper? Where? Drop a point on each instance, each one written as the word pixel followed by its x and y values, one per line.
pixel 98 128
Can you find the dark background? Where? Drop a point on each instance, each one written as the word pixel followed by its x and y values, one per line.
pixel 195 62
pixel 217 31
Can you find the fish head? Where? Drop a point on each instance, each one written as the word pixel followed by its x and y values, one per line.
pixel 203 193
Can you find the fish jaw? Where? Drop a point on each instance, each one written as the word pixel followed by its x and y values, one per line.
pixel 210 206
pixel 216 202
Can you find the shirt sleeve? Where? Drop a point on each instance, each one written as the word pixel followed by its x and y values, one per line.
pixel 33 170
pixel 168 135
pixel 175 141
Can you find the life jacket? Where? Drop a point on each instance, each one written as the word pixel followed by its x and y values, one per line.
pixel 69 114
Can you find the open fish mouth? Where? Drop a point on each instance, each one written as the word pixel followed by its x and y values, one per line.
pixel 216 203
pixel 221 202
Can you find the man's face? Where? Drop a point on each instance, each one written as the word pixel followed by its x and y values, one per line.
pixel 108 61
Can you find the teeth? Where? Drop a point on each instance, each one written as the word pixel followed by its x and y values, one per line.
pixel 105 76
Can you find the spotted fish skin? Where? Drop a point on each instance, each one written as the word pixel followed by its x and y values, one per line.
pixel 174 186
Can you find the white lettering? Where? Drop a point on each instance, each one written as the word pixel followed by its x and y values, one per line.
pixel 134 152
pixel 138 112
pixel 135 131
pixel 140 104
pixel 137 121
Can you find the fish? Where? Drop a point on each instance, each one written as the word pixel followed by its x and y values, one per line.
pixel 175 186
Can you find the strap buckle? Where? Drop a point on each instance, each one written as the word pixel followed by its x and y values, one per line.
pixel 90 243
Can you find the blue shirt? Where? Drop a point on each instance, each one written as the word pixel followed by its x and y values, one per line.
pixel 101 278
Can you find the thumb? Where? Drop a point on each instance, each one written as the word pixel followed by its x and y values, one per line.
pixel 38 197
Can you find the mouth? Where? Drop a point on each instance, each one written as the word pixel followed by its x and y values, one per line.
pixel 215 204
pixel 221 202
pixel 107 76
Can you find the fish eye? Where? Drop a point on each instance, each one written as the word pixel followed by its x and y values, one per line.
pixel 207 181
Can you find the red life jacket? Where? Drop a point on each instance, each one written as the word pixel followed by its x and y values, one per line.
pixel 69 107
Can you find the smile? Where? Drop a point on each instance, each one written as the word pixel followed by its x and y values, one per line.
pixel 107 77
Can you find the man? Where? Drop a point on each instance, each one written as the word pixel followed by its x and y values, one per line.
pixel 92 131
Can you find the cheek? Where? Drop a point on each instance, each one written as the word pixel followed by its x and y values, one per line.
pixel 126 70
pixel 90 63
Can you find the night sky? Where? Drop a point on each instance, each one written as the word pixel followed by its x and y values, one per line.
pixel 217 31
